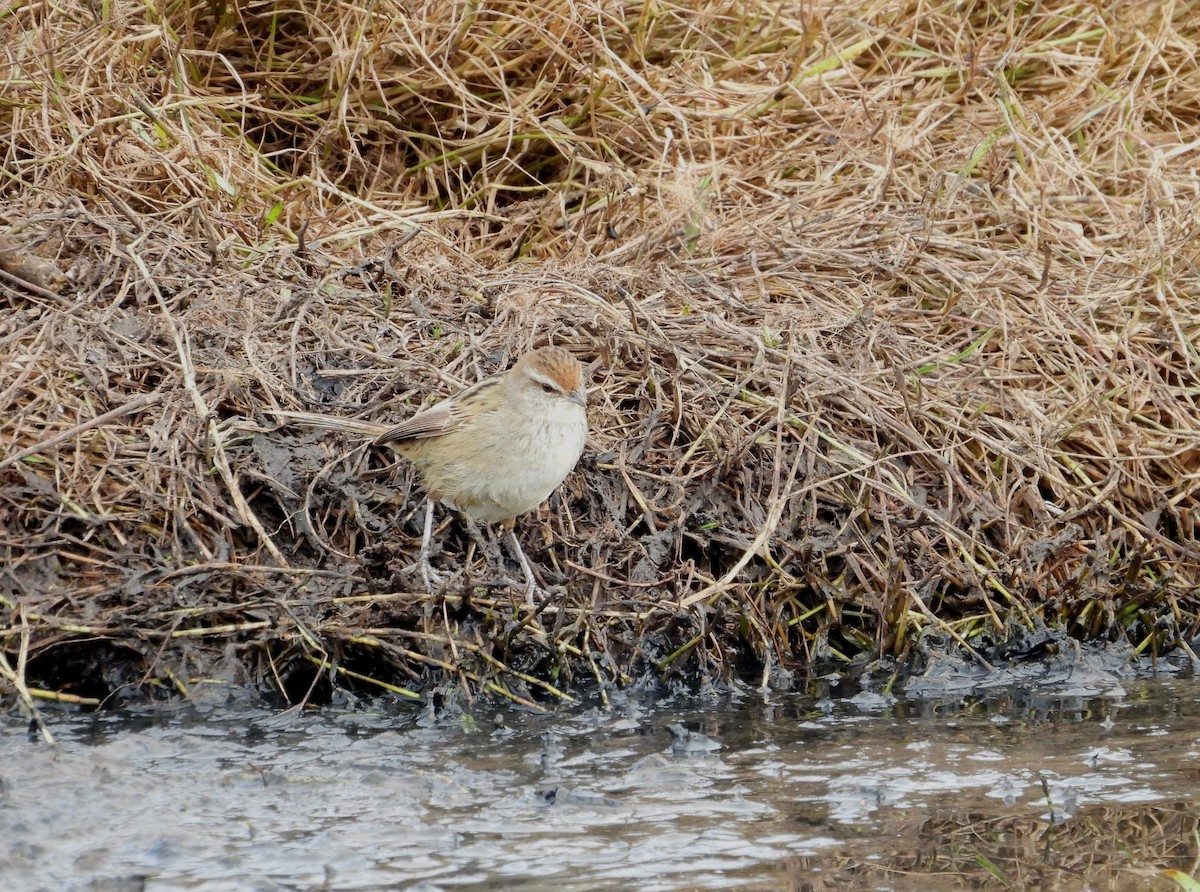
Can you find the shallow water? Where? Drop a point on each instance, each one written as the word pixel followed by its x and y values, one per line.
pixel 1057 790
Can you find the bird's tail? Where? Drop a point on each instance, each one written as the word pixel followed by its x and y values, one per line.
pixel 370 429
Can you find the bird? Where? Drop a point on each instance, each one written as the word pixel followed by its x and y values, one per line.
pixel 493 451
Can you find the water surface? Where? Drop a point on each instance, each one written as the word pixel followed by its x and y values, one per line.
pixel 772 791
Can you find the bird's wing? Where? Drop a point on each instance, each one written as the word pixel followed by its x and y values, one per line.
pixel 438 419
pixel 432 422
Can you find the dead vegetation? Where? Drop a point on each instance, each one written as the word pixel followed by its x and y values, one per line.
pixel 896 305
pixel 1135 846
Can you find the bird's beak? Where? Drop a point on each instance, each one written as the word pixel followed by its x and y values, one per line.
pixel 579 397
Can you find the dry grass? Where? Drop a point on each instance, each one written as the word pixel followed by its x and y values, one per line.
pixel 1103 847
pixel 897 305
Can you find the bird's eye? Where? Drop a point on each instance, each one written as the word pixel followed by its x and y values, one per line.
pixel 548 388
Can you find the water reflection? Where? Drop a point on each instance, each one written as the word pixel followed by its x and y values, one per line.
pixel 865 791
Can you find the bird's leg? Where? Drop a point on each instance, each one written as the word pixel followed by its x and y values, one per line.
pixel 490 546
pixel 531 585
pixel 433 580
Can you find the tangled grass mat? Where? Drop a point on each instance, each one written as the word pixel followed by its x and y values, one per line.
pixel 894 307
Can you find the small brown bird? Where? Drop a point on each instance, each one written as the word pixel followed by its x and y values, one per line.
pixel 496 449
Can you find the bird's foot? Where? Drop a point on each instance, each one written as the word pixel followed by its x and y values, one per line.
pixel 433 580
pixel 534 593
pixel 532 588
